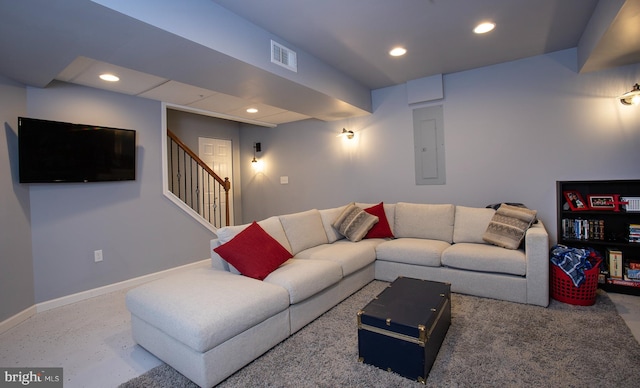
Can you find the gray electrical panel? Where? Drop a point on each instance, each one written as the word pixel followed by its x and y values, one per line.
pixel 428 137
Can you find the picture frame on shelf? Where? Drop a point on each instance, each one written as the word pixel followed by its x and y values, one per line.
pixel 601 202
pixel 575 201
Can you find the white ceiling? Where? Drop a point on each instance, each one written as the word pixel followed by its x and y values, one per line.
pixel 74 40
pixel 355 36
pixel 86 71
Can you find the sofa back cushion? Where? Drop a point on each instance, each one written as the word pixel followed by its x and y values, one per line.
pixel 328 216
pixel 217 262
pixel 304 230
pixel 471 224
pixel 428 221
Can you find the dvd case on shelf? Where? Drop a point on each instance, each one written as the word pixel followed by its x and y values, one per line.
pixel 614 259
pixel 579 229
pixel 634 233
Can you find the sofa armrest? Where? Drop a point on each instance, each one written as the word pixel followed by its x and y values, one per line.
pixel 217 262
pixel 537 256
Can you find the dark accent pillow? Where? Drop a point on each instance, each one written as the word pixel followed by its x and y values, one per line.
pixel 253 252
pixel 381 229
pixel 354 223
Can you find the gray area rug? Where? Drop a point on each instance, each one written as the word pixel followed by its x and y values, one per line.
pixel 490 343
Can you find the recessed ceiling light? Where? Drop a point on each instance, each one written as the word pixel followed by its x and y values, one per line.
pixel 484 27
pixel 397 51
pixel 252 110
pixel 109 77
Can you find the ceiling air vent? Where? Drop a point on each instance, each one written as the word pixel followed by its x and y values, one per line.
pixel 283 56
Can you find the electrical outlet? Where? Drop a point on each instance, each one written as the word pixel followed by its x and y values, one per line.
pixel 97 255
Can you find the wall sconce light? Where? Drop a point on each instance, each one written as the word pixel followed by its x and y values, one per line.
pixel 256 148
pixel 349 134
pixel 632 97
pixel 257 165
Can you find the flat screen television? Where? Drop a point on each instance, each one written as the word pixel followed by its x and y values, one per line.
pixel 52 151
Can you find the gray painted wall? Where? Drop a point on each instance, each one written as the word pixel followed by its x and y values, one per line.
pixel 319 167
pixel 511 131
pixel 16 273
pixel 139 230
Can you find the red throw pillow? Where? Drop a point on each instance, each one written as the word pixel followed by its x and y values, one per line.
pixel 381 229
pixel 254 252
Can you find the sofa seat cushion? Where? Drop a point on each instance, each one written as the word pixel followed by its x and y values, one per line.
pixel 485 258
pixel 305 278
pixel 195 307
pixel 349 255
pixel 412 251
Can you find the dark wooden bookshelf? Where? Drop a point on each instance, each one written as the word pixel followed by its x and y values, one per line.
pixel 601 229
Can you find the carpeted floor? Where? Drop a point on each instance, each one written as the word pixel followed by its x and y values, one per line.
pixel 489 343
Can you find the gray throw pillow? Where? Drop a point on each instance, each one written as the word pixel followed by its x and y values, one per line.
pixel 508 226
pixel 354 223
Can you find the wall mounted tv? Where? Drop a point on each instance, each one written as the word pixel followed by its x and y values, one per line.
pixel 52 151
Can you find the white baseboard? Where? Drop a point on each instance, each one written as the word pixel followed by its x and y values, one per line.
pixel 73 298
pixel 17 319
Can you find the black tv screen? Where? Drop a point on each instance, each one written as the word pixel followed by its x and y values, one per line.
pixel 52 151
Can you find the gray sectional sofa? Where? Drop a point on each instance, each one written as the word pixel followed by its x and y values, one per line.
pixel 209 323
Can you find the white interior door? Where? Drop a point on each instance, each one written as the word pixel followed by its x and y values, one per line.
pixel 216 153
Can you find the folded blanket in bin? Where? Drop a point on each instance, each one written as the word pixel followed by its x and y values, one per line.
pixel 573 262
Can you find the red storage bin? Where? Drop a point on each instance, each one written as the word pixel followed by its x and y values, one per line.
pixel 563 290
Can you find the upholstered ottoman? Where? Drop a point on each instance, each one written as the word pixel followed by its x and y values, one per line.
pixel 195 321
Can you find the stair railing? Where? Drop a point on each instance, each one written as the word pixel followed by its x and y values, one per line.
pixel 196 184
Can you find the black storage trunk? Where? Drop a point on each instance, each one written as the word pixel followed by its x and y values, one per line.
pixel 401 330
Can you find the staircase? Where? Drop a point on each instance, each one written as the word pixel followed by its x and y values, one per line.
pixel 196 184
